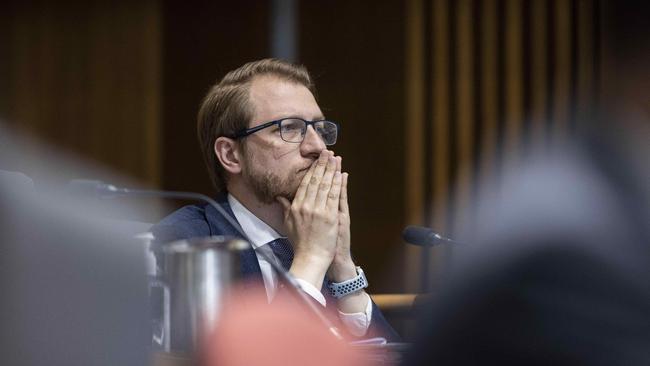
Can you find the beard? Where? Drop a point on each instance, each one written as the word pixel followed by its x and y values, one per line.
pixel 266 185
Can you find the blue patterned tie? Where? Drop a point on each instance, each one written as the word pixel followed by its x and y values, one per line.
pixel 282 249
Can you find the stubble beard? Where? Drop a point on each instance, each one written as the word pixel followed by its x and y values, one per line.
pixel 267 186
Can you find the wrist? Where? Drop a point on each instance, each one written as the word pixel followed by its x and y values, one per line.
pixel 313 257
pixel 342 270
pixel 310 268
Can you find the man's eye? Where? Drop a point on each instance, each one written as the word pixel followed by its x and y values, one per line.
pixel 292 127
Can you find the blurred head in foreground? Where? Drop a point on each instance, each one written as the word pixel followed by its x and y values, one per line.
pixel 558 274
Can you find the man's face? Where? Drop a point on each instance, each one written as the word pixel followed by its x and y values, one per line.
pixel 271 166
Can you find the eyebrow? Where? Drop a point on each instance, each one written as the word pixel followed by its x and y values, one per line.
pixel 319 118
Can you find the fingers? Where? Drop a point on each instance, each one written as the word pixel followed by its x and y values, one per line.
pixel 304 184
pixel 343 197
pixel 325 188
pixel 333 196
pixel 321 185
pixel 314 182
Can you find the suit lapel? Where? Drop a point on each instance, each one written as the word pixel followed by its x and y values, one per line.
pixel 250 267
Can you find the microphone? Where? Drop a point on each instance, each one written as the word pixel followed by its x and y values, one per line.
pixel 104 190
pixel 425 237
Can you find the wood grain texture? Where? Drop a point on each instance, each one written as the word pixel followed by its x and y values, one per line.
pixel 85 76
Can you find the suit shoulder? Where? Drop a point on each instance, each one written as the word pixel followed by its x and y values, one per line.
pixel 186 213
pixel 184 223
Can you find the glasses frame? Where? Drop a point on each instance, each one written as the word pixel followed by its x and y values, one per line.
pixel 278 122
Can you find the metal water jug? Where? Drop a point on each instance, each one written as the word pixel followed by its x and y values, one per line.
pixel 199 275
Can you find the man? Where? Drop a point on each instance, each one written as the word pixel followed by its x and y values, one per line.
pixel 264 140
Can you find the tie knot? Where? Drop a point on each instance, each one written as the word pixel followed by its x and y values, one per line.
pixel 282 249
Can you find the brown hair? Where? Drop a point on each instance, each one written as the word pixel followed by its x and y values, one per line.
pixel 226 109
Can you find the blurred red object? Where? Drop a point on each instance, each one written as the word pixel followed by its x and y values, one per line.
pixel 253 332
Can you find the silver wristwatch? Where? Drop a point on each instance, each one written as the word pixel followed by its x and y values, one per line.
pixel 338 290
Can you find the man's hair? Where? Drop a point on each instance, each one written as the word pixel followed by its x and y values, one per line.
pixel 226 109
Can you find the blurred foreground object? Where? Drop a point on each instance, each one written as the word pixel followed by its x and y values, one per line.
pixel 560 273
pixel 15 180
pixel 560 270
pixel 285 334
pixel 73 288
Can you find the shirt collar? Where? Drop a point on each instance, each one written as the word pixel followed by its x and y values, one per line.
pixel 257 230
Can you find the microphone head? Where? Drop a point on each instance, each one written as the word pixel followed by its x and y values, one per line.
pixel 423 236
pixel 418 235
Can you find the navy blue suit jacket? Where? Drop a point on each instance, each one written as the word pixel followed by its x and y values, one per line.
pixel 204 220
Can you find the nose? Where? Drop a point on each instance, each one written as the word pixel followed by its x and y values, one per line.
pixel 312 144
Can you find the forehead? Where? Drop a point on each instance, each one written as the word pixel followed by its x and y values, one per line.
pixel 273 98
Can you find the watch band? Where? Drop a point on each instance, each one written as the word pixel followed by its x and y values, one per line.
pixel 340 289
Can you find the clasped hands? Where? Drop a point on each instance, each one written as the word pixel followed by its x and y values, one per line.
pixel 317 222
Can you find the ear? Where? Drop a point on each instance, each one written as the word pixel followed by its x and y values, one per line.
pixel 228 153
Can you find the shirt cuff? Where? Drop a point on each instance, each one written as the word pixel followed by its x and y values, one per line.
pixel 312 291
pixel 357 323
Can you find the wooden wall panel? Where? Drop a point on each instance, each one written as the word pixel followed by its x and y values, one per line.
pixel 513 80
pixel 562 70
pixel 203 40
pixel 504 77
pixel 414 137
pixel 355 50
pixel 585 84
pixel 465 105
pixel 439 146
pixel 538 41
pixel 85 76
pixel 488 114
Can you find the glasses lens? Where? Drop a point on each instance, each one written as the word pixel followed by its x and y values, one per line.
pixel 327 131
pixel 291 130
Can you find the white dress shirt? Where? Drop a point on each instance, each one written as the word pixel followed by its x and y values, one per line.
pixel 260 233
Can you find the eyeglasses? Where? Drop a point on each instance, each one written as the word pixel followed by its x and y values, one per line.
pixel 294 129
